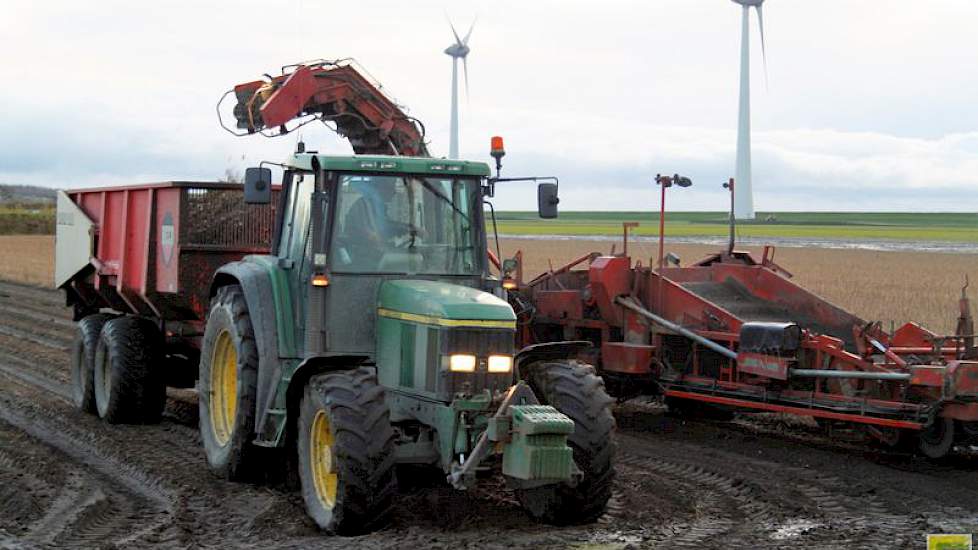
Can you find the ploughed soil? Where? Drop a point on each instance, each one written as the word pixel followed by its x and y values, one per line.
pixel 69 480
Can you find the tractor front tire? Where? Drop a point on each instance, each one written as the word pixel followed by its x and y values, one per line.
pixel 227 386
pixel 128 383
pixel 83 361
pixel 345 452
pixel 573 389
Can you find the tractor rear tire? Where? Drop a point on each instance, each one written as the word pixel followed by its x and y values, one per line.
pixel 83 361
pixel 127 377
pixel 227 387
pixel 345 452
pixel 573 389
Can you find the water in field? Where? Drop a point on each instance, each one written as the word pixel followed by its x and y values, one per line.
pixel 790 242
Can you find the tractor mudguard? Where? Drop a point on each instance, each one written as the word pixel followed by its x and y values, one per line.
pixel 256 283
pixel 549 351
pixel 312 366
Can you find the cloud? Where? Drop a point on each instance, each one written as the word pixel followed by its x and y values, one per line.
pixel 863 112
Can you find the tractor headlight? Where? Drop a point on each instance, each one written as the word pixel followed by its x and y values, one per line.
pixel 500 363
pixel 461 362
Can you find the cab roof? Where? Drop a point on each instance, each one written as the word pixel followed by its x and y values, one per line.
pixel 384 163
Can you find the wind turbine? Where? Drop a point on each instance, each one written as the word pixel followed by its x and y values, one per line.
pixel 744 197
pixel 458 50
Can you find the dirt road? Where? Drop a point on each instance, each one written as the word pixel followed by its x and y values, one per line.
pixel 69 480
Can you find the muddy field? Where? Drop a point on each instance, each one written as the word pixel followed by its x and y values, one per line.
pixel 68 480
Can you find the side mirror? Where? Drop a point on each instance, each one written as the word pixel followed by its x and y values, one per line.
pixel 258 186
pixel 547 200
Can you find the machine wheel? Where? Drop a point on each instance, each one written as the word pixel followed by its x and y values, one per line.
pixel 127 379
pixel 573 389
pixel 966 432
pixel 937 440
pixel 227 386
pixel 346 451
pixel 83 360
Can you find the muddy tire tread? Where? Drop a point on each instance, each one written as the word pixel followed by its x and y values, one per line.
pixel 363 449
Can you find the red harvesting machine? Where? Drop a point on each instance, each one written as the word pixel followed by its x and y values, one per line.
pixel 733 332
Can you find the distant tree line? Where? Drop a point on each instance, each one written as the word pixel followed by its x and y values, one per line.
pixel 26 194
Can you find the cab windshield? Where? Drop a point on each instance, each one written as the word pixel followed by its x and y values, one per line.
pixel 406 224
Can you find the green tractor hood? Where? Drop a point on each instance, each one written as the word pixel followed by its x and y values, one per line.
pixel 443 304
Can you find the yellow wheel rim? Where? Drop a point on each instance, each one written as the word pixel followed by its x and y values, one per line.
pixel 324 477
pixel 224 388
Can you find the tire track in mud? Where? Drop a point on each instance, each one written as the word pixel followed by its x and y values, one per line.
pixel 751 511
pixel 804 498
pixel 106 517
pixel 37 315
pixel 53 343
pixel 33 294
pixel 155 504
pixel 23 494
pixel 199 511
pixel 695 487
pixel 20 371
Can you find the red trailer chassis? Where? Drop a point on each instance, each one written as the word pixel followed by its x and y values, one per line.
pixel 734 331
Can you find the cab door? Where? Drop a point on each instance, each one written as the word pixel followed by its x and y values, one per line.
pixel 293 244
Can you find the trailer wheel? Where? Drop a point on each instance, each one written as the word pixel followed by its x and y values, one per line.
pixel 227 386
pixel 573 389
pixel 937 440
pixel 346 451
pixel 128 383
pixel 83 361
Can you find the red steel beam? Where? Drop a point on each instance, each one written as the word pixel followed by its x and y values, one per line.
pixel 801 411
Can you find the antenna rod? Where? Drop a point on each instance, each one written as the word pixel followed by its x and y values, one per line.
pixel 662 219
pixel 733 218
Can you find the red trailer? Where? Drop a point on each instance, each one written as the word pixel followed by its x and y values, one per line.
pixel 152 249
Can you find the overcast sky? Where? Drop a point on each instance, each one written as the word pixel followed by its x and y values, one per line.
pixel 870 105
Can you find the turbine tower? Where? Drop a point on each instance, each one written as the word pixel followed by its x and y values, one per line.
pixel 744 197
pixel 458 50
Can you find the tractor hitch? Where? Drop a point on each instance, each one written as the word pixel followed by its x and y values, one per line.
pixel 533 440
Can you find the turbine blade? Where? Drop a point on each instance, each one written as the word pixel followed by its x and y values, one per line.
pixel 457 39
pixel 465 68
pixel 760 24
pixel 465 41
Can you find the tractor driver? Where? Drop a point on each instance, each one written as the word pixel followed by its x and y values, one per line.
pixel 369 229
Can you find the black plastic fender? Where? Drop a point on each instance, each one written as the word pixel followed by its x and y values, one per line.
pixel 549 351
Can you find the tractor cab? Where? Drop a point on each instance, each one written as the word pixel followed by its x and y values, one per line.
pixel 348 226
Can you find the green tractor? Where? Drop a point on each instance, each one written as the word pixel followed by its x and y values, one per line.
pixel 373 337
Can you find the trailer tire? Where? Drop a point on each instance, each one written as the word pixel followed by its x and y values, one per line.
pixel 345 451
pixel 937 440
pixel 574 389
pixel 227 386
pixel 83 361
pixel 128 383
